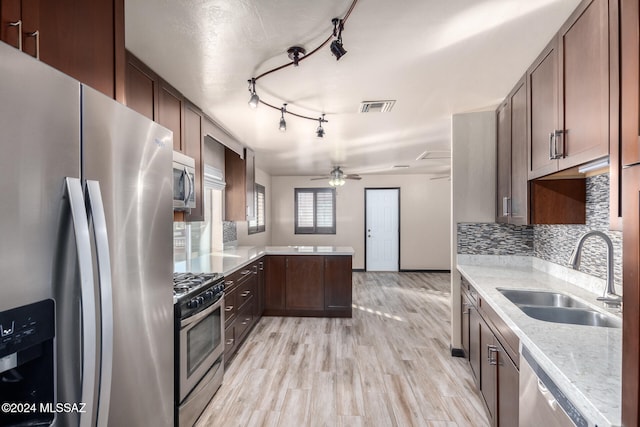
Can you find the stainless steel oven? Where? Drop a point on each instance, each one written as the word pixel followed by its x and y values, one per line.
pixel 199 349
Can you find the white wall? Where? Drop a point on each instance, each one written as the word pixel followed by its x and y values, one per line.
pixel 424 217
pixel 473 187
pixel 264 238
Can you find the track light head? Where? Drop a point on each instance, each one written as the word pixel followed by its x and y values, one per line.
pixel 320 130
pixel 255 99
pixel 336 46
pixel 283 123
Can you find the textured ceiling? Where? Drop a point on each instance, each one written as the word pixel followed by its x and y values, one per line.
pixel 435 58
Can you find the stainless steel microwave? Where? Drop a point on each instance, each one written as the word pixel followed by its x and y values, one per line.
pixel 184 182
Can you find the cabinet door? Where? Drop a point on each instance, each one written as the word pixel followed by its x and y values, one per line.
pixel 337 283
pixel 584 49
pixel 274 286
pixel 304 282
pixel 11 20
pixel 630 83
pixel 542 79
pixel 261 289
pixel 193 148
pixel 504 161
pixel 464 321
pixel 235 192
pixel 519 203
pixel 508 389
pixel 488 369
pixel 141 88
pixel 250 183
pixel 170 113
pixel 474 343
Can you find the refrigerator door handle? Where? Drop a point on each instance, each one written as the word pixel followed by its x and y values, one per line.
pixel 73 189
pixel 96 214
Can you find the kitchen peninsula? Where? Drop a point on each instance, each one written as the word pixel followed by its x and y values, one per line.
pixel 277 281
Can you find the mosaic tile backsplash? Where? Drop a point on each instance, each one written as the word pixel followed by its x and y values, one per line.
pixel 229 232
pixel 553 243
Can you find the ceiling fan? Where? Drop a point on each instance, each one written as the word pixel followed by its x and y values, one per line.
pixel 336 177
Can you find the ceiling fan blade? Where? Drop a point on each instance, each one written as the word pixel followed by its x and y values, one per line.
pixel 320 177
pixel 358 177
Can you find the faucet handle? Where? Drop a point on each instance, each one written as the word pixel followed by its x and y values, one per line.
pixel 611 299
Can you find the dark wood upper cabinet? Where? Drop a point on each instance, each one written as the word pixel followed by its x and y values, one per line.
pixel 569 89
pixel 512 174
pixel 82 39
pixel 542 85
pixel 170 112
pixel 584 84
pixel 193 140
pixel 235 194
pixel 630 117
pixel 141 88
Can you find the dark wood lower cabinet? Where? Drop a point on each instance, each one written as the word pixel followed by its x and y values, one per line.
pixel 308 285
pixel 494 369
pixel 304 283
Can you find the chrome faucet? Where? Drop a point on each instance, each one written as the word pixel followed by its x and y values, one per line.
pixel 609 297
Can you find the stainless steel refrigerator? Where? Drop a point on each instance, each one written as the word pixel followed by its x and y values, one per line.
pixel 86 219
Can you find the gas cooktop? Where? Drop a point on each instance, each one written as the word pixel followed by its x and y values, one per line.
pixel 186 283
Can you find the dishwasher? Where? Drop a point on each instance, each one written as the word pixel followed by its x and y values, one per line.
pixel 541 402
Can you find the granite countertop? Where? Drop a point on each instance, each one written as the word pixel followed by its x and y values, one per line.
pixel 229 260
pixel 584 361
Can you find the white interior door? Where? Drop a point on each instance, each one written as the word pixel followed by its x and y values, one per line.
pixel 382 229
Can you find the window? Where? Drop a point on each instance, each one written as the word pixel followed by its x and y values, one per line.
pixel 315 211
pixel 257 225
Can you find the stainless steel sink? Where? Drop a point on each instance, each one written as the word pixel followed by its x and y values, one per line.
pixel 542 298
pixel 559 308
pixel 575 316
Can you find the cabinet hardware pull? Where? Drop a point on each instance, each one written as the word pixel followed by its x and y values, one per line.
pixel 492 349
pixel 228 308
pixel 559 154
pixel 245 272
pixel 230 341
pixel 36 34
pixel 245 293
pixel 18 24
pixel 551 152
pixel 505 206
pixel 228 283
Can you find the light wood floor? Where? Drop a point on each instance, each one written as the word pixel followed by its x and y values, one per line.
pixel 389 365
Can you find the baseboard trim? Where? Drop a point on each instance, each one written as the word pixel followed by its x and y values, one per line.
pixel 457 352
pixel 358 270
pixel 423 271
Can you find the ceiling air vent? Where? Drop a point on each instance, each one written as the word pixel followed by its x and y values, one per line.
pixel 434 155
pixel 376 106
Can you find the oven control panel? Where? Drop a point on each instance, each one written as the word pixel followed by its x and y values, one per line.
pixel 23 327
pixel 201 299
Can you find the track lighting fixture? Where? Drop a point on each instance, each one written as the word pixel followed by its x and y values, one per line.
pixel 320 130
pixel 297 54
pixel 255 99
pixel 283 123
pixel 336 46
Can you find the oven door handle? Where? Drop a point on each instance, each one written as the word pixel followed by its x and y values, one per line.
pixel 204 313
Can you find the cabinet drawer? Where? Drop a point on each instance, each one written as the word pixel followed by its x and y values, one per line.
pixel 245 291
pixel 230 306
pixel 229 342
pixel 245 319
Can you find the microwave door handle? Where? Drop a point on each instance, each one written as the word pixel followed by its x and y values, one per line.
pixel 187 194
pixel 192 185
pixel 101 239
pixel 73 190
